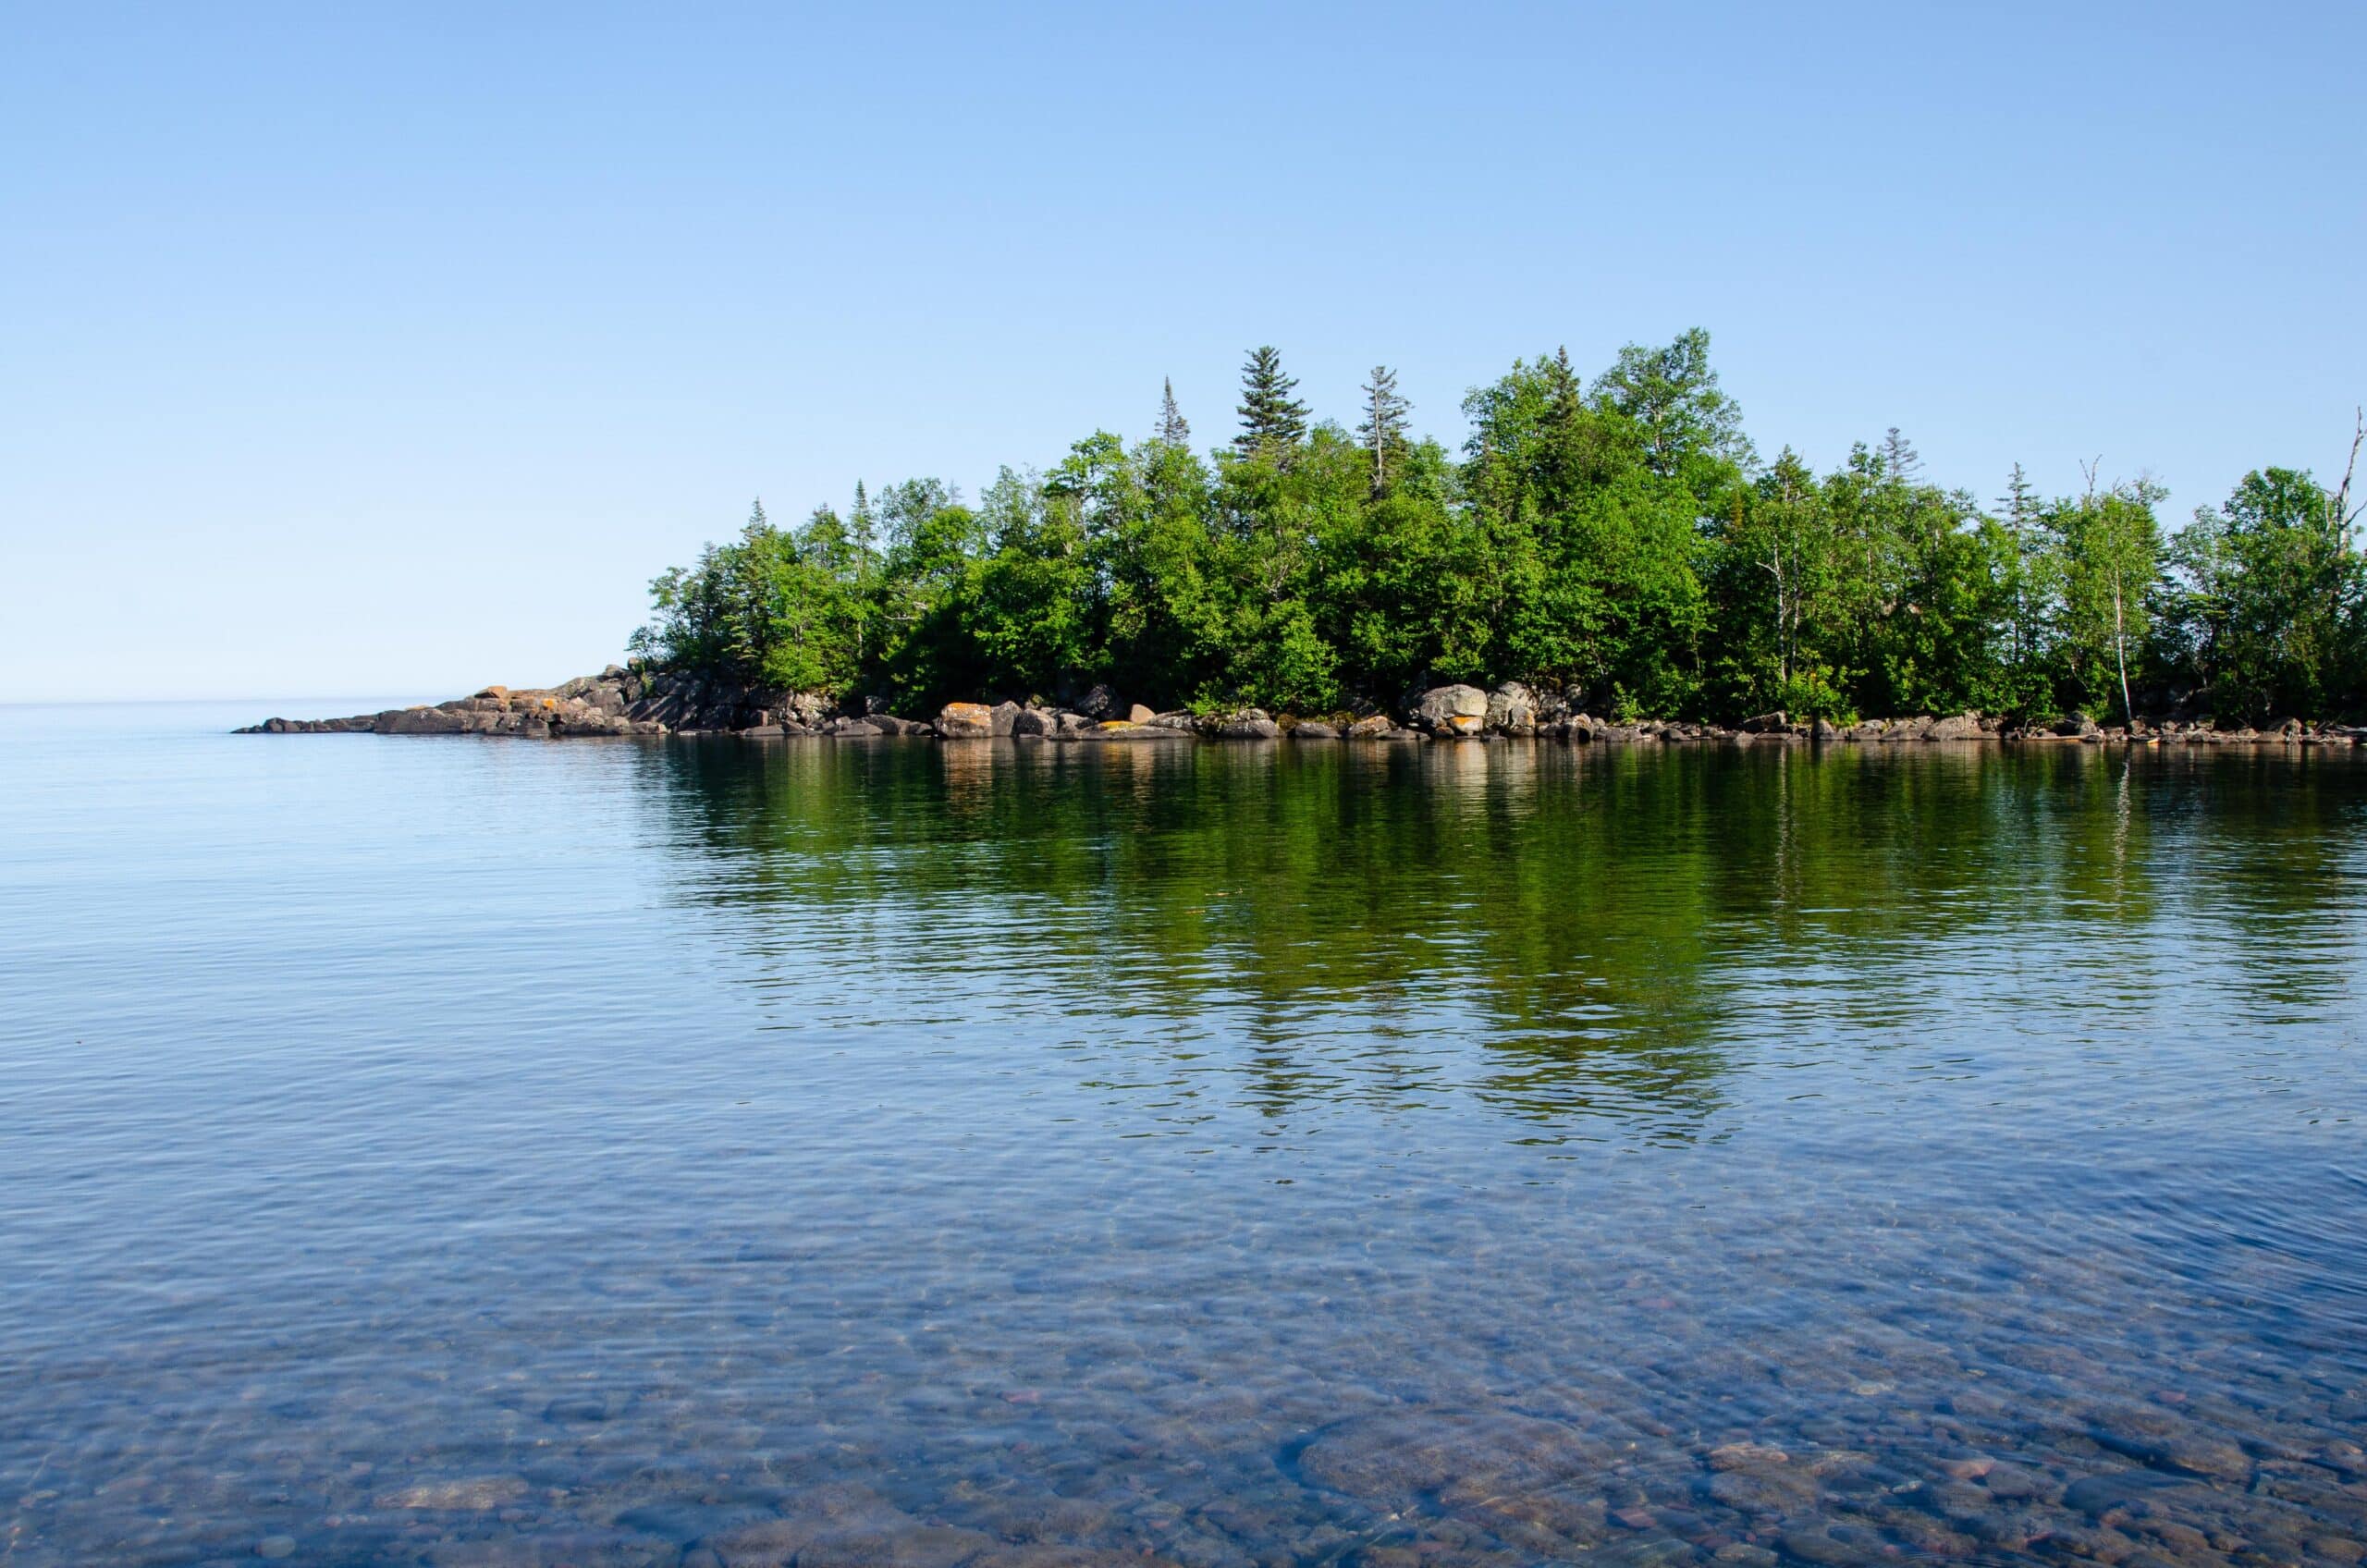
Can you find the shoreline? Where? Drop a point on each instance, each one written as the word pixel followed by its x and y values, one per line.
pixel 620 702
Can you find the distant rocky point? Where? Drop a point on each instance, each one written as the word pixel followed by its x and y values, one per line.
pixel 619 702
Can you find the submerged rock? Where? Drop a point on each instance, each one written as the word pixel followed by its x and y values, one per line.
pixel 473 1494
pixel 1398 1456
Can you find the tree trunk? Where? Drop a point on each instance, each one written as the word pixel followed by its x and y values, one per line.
pixel 2120 653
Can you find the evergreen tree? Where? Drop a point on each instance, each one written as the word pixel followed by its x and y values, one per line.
pixel 1562 462
pixel 1615 540
pixel 1383 429
pixel 865 527
pixel 1172 427
pixel 1272 421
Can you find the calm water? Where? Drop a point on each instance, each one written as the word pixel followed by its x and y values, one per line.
pixel 878 1154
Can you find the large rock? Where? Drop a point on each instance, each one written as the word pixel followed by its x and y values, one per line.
pixel 1956 727
pixel 967 721
pixel 1247 723
pixel 1040 724
pixel 417 721
pixel 1098 703
pixel 1372 727
pixel 1767 723
pixel 1001 717
pixel 1439 706
pixel 1139 714
pixel 1512 709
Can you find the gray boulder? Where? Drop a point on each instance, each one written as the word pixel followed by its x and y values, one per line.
pixel 1248 724
pixel 1459 708
pixel 1314 730
pixel 1098 704
pixel 1001 717
pixel 1512 709
pixel 1040 724
pixel 1956 727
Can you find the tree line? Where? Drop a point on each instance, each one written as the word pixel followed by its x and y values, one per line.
pixel 1617 537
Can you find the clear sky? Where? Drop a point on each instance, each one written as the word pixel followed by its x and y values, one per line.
pixel 389 349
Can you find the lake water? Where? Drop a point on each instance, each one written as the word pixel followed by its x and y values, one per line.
pixel 894 1156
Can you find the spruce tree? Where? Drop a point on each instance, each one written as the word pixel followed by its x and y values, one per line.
pixel 1271 420
pixel 1172 428
pixel 1562 460
pixel 1383 429
pixel 863 526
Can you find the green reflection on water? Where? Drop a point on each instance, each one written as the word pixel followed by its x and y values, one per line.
pixel 1607 926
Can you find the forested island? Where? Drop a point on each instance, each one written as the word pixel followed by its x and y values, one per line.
pixel 1618 538
pixel 1615 548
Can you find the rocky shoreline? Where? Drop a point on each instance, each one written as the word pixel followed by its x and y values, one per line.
pixel 619 702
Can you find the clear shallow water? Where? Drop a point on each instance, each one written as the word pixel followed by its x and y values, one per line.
pixel 484 1151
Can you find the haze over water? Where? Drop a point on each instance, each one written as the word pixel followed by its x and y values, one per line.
pixel 464 1151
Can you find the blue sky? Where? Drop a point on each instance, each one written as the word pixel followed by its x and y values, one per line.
pixel 389 349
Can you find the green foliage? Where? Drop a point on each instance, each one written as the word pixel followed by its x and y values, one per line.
pixel 1618 540
pixel 2111 549
pixel 2271 621
pixel 1272 421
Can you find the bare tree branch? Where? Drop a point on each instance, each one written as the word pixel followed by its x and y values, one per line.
pixel 2345 514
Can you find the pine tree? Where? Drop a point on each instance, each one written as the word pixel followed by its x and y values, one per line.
pixel 1271 420
pixel 1383 429
pixel 1172 427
